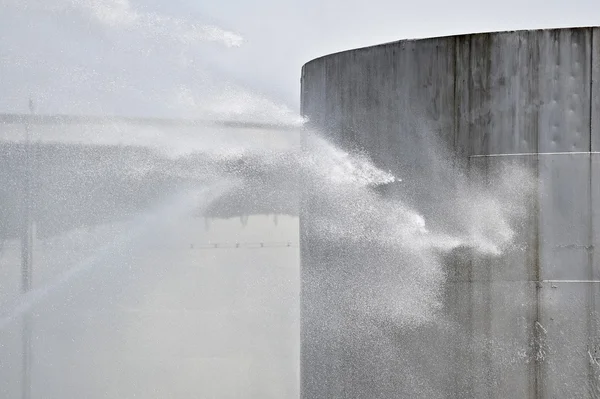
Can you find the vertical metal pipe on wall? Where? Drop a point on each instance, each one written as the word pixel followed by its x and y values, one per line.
pixel 27 242
pixel 528 320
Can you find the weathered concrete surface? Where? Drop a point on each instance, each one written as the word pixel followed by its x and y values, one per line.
pixel 526 324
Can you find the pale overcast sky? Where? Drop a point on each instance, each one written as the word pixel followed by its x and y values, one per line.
pixel 220 57
pixel 282 35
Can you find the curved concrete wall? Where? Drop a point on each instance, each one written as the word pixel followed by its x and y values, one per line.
pixel 529 325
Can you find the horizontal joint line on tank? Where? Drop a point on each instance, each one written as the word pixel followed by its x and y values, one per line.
pixel 529 154
pixel 572 281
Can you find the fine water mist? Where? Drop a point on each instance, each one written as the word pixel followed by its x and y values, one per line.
pixel 126 299
pixel 351 212
pixel 227 172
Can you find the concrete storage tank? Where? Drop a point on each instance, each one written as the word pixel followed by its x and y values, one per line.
pixel 528 320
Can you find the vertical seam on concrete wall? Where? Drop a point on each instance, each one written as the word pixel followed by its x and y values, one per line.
pixel 301 230
pixel 537 366
pixel 537 371
pixel 302 88
pixel 591 307
pixel 456 140
pixel 593 130
pixel 536 339
pixel 470 322
pixel 469 92
pixel 591 88
pixel 591 116
pixel 455 100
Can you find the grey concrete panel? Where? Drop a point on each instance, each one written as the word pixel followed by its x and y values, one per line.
pixel 595 213
pixel 406 98
pixel 499 91
pixel 524 92
pixel 563 225
pixel 595 91
pixel 519 262
pixel 463 120
pixel 314 82
pixel 568 339
pixel 564 217
pixel 564 90
pixel 496 316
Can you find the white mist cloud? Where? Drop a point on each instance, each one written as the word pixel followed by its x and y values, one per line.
pixel 110 57
pixel 121 14
pixel 214 100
